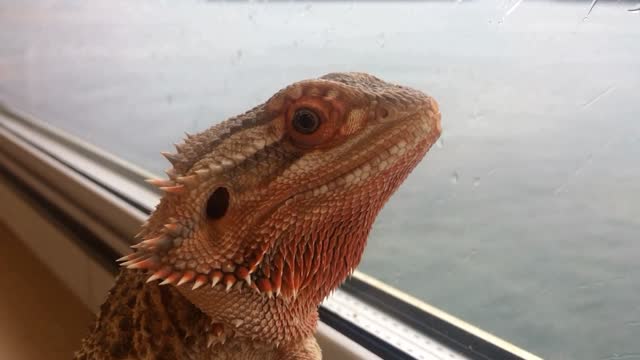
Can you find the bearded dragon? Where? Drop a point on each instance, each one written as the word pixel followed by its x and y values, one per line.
pixel 264 215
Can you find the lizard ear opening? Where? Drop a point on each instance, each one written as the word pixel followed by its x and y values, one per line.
pixel 218 203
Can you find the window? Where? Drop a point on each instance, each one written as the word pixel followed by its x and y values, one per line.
pixel 523 220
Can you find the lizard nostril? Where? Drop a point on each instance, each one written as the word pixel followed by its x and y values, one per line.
pixel 218 203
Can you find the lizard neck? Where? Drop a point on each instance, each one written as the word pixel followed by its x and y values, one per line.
pixel 252 315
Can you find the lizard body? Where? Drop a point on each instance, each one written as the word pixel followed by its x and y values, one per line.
pixel 264 215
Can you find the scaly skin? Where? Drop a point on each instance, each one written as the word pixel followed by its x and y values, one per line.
pixel 264 215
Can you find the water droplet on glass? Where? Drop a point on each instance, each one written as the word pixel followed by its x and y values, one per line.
pixel 239 53
pixel 380 40
pixel 593 4
pixel 598 97
pixel 512 9
pixel 455 177
pixel 440 143
pixel 476 181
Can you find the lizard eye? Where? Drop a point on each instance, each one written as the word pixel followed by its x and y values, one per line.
pixel 305 121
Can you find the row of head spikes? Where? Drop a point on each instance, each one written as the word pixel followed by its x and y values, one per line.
pixel 145 261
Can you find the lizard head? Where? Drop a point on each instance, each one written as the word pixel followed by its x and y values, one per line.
pixel 281 199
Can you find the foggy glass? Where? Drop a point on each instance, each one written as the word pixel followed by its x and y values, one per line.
pixel 523 220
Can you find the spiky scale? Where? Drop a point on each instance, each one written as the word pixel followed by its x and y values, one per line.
pixel 160 242
pixel 215 168
pixel 216 276
pixel 264 285
pixel 227 163
pixel 266 270
pixel 149 263
pixel 243 273
pixel 229 280
pixel 140 256
pixel 179 147
pixel 160 182
pixel 200 280
pixel 237 322
pixel 160 274
pixel 210 340
pixel 187 277
pixel 177 189
pixel 203 173
pixel 190 180
pixel 128 257
pixel 171 173
pixel 254 287
pixel 174 159
pixel 172 278
pixel 276 282
pixel 253 264
pixel 288 285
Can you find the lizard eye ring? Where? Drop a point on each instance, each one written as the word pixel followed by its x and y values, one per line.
pixel 305 121
pixel 312 122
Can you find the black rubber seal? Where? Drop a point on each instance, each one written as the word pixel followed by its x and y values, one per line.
pixel 360 336
pixel 449 335
pixel 82 236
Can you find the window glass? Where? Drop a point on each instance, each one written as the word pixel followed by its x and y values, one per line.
pixel 524 219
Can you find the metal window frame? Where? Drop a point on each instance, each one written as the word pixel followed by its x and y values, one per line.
pixel 104 200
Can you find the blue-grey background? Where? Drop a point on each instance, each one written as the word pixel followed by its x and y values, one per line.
pixel 525 218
